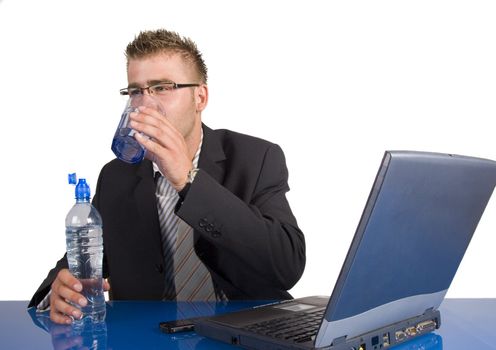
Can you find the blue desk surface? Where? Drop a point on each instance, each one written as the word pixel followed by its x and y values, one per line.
pixel 465 324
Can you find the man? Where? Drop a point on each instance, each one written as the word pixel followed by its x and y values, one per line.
pixel 227 189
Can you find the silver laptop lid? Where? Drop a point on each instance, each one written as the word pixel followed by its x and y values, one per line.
pixel 418 221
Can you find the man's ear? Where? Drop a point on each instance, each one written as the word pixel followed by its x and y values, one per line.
pixel 201 97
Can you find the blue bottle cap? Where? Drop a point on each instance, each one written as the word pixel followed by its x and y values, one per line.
pixel 82 189
pixel 72 179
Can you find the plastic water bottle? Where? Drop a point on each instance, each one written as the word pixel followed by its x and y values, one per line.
pixel 85 251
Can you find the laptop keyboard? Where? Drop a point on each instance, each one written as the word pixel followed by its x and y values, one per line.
pixel 300 327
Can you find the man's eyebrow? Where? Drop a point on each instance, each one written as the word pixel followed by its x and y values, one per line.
pixel 150 83
pixel 133 85
pixel 159 81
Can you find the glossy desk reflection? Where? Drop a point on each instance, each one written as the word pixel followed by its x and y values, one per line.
pixel 466 324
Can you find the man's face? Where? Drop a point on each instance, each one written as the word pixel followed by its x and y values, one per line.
pixel 182 107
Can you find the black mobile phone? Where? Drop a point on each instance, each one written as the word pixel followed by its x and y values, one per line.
pixel 177 326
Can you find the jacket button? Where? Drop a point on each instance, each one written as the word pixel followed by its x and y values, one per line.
pixel 216 234
pixel 203 222
pixel 159 268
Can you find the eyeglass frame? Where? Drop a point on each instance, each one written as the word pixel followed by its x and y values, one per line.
pixel 173 86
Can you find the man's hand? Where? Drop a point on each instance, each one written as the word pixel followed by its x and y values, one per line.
pixel 166 146
pixel 67 288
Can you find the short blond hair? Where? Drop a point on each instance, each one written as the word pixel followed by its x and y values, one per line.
pixel 149 43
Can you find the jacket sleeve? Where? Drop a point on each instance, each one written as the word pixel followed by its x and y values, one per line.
pixel 251 239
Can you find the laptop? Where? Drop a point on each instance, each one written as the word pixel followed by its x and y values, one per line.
pixel 416 226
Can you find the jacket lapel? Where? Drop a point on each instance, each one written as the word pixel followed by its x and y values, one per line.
pixel 146 202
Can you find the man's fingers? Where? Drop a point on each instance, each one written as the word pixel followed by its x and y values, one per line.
pixel 153 126
pixel 106 285
pixel 56 313
pixel 150 145
pixel 69 280
pixel 61 311
pixel 65 289
pixel 65 308
pixel 66 293
pixel 59 318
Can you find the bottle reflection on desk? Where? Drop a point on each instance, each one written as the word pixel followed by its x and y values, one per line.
pixel 430 341
pixel 87 335
pixel 91 336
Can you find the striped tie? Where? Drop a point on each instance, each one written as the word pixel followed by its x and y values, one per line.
pixel 186 277
pixel 166 200
pixel 192 279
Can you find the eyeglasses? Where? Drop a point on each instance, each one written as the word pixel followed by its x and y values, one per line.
pixel 162 88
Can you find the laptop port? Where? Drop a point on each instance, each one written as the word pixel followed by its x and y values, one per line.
pixel 375 340
pixel 385 339
pixel 234 340
pixel 411 331
pixel 400 335
pixel 426 326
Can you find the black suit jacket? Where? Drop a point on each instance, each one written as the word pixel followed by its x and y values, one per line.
pixel 244 229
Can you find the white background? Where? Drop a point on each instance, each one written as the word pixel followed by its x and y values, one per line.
pixel 335 83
